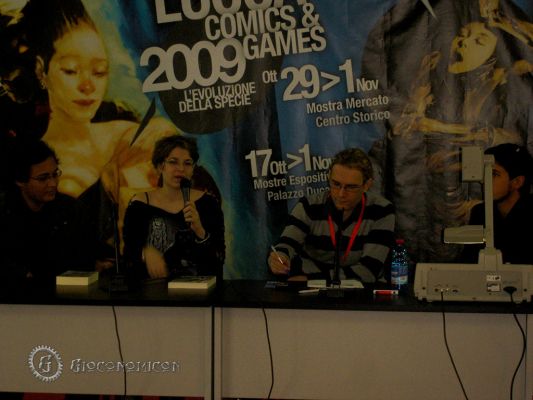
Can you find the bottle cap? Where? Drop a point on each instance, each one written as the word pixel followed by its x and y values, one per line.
pixel 400 241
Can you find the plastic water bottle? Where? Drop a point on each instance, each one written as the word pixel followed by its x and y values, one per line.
pixel 399 266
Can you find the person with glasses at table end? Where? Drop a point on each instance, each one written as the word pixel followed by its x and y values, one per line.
pixel 44 231
pixel 307 244
pixel 174 230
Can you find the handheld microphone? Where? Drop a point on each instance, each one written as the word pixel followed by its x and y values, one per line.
pixel 185 186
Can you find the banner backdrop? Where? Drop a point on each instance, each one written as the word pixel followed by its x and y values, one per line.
pixel 272 89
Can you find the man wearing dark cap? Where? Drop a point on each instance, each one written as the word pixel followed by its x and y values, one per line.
pixel 513 205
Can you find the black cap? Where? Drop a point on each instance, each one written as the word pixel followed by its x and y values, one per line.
pixel 513 158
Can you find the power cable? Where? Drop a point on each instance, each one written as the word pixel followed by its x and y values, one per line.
pixel 448 347
pixel 120 351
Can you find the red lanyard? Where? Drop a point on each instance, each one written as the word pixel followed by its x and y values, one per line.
pixel 354 232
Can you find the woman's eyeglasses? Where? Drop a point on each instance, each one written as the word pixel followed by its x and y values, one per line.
pixel 175 163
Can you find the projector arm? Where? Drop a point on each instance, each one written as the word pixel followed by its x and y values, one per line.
pixel 488 199
pixel 477 167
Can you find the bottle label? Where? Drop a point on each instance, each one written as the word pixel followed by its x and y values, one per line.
pixel 399 274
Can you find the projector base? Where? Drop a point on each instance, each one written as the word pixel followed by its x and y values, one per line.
pixel 473 282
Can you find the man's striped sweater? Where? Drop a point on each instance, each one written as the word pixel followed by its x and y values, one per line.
pixel 307 241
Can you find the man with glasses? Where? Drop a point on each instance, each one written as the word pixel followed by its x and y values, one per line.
pixel 366 220
pixel 44 232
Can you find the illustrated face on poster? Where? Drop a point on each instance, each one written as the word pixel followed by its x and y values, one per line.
pixel 77 75
pixel 471 48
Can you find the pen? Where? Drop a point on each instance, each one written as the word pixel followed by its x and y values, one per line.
pixel 386 292
pixel 305 292
pixel 277 254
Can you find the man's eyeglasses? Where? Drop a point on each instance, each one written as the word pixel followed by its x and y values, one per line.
pixel 334 185
pixel 175 163
pixel 44 178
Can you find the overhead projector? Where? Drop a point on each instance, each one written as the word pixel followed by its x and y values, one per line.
pixel 489 279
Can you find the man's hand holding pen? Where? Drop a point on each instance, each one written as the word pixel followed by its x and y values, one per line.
pixel 279 262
